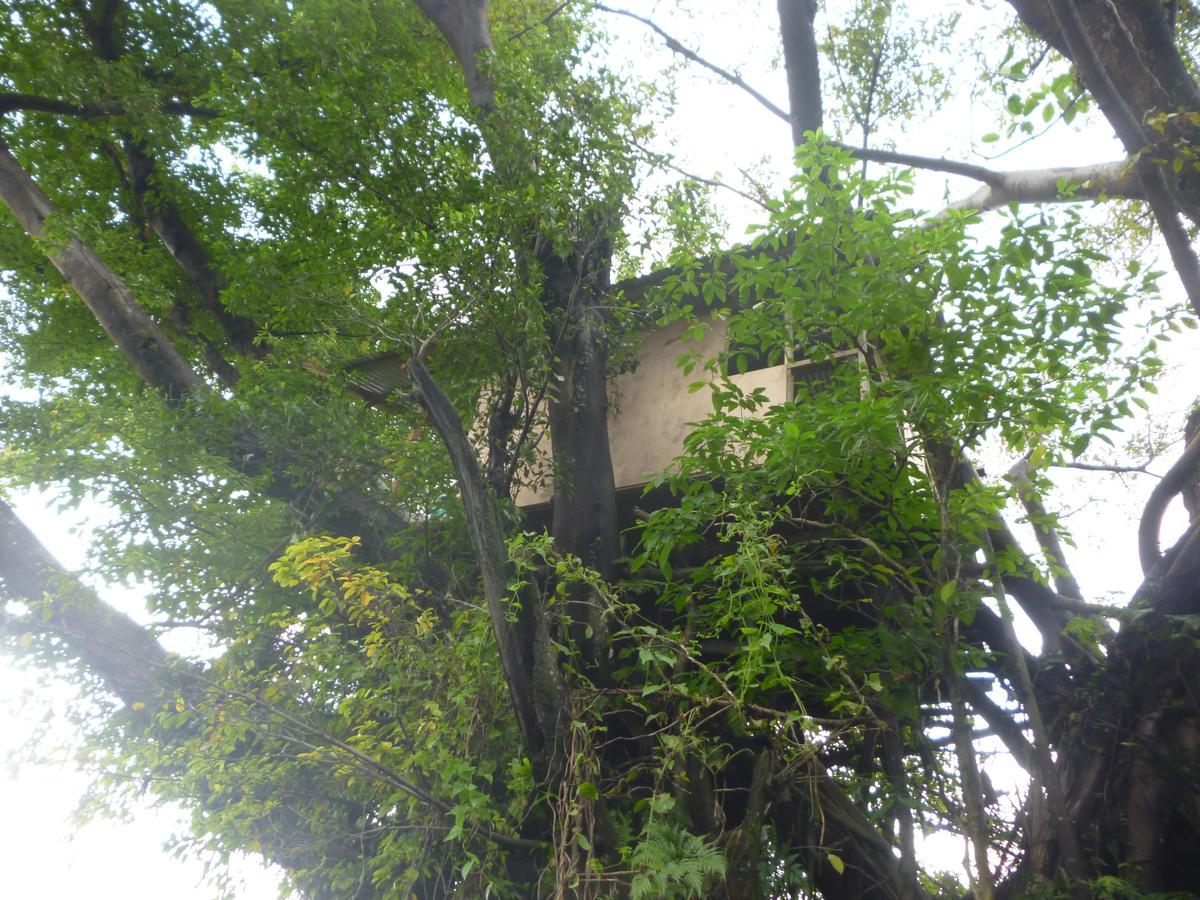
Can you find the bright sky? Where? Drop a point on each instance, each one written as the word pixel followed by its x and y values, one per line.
pixel 717 129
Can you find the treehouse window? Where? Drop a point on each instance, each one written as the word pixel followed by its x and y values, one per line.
pixel 809 376
pixel 742 358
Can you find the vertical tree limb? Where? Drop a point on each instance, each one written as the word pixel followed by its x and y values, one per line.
pixel 164 216
pixel 575 289
pixel 968 768
pixel 803 67
pixel 893 767
pixel 1048 777
pixel 1047 537
pixel 185 248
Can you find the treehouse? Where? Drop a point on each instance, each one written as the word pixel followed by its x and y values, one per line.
pixel 653 407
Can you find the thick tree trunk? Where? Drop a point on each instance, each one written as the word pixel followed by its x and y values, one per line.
pixel 585 501
pixel 575 291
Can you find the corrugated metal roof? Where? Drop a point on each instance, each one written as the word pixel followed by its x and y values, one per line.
pixel 380 375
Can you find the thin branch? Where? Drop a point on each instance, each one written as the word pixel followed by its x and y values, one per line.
pixel 675 46
pixel 931 163
pixel 898 568
pixel 366 763
pixel 544 20
pixel 1100 467
pixel 18 102
pixel 1080 607
pixel 663 161
pixel 1044 532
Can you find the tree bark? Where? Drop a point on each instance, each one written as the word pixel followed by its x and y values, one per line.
pixel 575 291
pixel 534 685
pixel 131 663
pixel 116 309
pixel 802 65
pixel 1133 38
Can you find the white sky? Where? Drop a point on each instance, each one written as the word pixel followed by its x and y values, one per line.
pixel 718 129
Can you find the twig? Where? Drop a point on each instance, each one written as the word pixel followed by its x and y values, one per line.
pixel 1100 467
pixel 544 20
pixel 666 163
pixel 674 45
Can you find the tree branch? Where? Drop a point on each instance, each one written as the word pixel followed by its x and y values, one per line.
pixel 18 102
pixel 1053 185
pixel 1001 723
pixel 1047 537
pixel 185 248
pixel 1176 479
pixel 107 296
pixel 132 664
pixel 535 696
pixel 969 773
pixel 1001 188
pixel 1154 182
pixel 1047 773
pixel 803 66
pixel 676 47
pixel 156 360
pixel 1101 467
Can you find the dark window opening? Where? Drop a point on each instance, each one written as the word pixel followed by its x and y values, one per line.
pixel 809 377
pixel 742 358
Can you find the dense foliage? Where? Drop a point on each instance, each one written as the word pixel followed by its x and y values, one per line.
pixel 305 291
